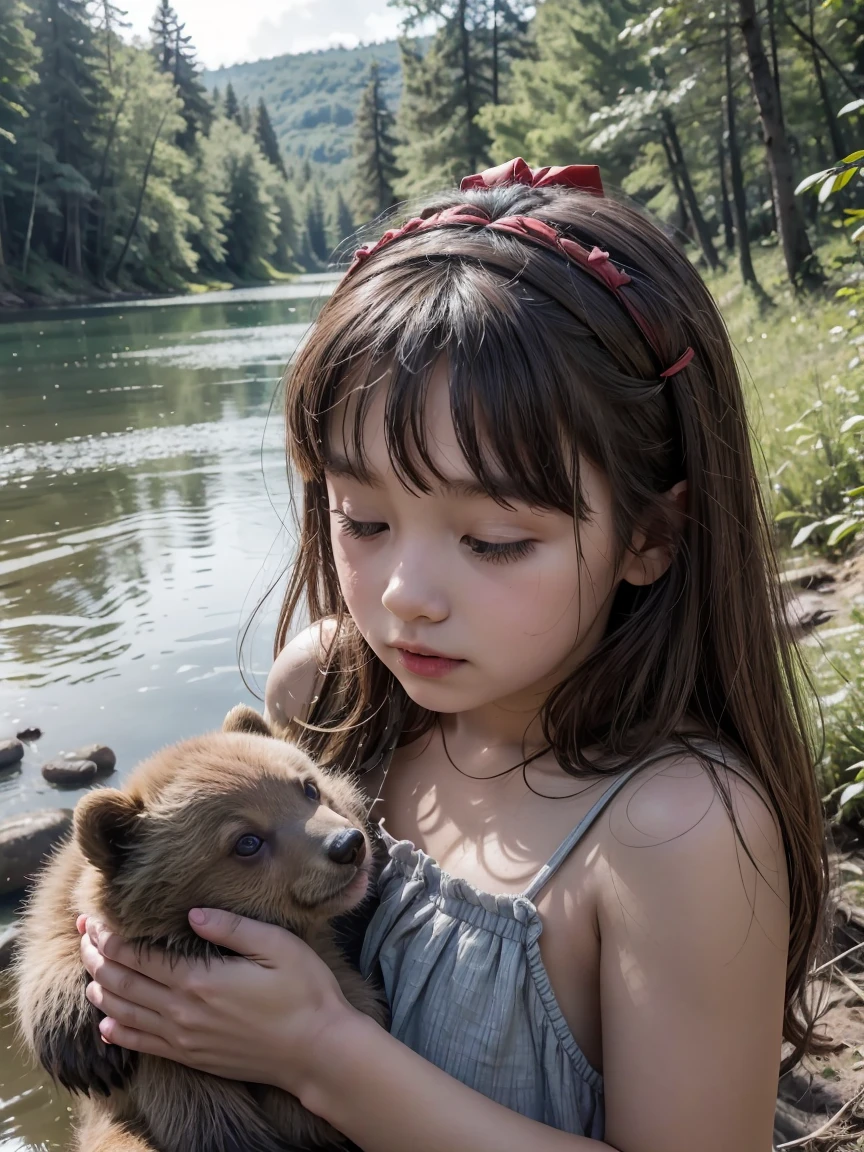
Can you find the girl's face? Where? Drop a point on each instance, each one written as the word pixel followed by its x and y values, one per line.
pixel 466 602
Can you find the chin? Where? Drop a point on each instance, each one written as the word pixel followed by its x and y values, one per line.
pixel 436 696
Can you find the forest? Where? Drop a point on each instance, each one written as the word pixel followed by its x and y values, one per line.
pixel 123 167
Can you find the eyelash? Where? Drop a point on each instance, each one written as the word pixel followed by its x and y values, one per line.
pixel 492 553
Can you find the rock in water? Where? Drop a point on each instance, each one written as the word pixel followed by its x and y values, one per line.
pixel 100 754
pixel 64 771
pixel 25 841
pixel 8 942
pixel 11 751
pixel 30 734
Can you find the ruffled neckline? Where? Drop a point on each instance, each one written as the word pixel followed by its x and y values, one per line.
pixel 415 862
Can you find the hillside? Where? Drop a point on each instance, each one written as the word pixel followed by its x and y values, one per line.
pixel 312 97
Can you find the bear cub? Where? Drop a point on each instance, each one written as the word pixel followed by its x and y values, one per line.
pixel 237 820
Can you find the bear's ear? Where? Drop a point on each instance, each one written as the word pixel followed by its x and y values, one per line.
pixel 106 823
pixel 242 718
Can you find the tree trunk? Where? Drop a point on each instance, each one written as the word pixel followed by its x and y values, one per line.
pixel 699 223
pixel 470 111
pixel 120 259
pixel 790 220
pixel 683 215
pixel 829 59
pixel 379 165
pixel 495 51
pixel 29 235
pixel 739 195
pixel 834 130
pixel 726 208
pixel 775 63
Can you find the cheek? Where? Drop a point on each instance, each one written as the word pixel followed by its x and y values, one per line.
pixel 553 597
pixel 356 572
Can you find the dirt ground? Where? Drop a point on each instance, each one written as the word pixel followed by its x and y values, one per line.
pixel 821 1103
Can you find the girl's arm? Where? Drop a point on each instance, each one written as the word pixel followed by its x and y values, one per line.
pixel 693 957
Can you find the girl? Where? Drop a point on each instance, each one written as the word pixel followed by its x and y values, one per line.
pixel 548 634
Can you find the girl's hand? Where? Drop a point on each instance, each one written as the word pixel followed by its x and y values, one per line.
pixel 253 1017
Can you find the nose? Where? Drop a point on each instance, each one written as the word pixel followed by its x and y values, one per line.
pixel 347 847
pixel 411 593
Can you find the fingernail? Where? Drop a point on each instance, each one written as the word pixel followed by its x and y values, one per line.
pixel 198 916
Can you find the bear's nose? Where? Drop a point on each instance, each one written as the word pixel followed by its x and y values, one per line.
pixel 347 847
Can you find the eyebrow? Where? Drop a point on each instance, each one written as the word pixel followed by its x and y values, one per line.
pixel 467 489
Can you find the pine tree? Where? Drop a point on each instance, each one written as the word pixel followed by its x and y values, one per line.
pixel 67 103
pixel 246 117
pixel 176 55
pixel 316 228
pixel 285 254
pixel 232 104
pixel 110 19
pixel 374 150
pixel 266 137
pixel 445 89
pixel 17 74
pixel 343 219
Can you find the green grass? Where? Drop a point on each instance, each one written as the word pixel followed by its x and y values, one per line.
pixel 803 378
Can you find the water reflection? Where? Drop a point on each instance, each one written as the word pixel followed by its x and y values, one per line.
pixel 142 497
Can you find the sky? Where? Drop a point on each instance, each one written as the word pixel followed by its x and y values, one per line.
pixel 270 27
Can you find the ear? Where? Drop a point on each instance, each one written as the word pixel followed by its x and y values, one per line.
pixel 242 718
pixel 650 553
pixel 105 827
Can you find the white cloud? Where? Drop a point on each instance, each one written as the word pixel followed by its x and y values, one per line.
pixel 267 28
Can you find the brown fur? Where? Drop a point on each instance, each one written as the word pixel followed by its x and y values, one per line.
pixel 142 857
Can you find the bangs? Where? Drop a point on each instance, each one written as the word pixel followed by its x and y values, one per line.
pixel 519 422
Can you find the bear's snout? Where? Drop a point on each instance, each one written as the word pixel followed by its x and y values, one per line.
pixel 348 847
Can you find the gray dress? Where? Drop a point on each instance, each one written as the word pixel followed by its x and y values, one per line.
pixel 468 989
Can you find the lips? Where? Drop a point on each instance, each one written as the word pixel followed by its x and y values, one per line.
pixel 423 661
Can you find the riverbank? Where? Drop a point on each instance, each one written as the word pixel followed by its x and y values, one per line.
pixel 48 285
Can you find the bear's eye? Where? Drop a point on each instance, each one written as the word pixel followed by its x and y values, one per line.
pixel 311 790
pixel 248 845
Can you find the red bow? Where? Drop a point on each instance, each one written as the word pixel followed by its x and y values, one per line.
pixel 584 176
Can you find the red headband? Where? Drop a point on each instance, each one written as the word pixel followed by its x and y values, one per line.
pixel 594 261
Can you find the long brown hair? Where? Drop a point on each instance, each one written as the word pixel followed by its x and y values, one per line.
pixel 545 367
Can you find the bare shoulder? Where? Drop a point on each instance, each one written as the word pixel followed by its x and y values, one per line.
pixel 693 912
pixel 293 678
pixel 680 841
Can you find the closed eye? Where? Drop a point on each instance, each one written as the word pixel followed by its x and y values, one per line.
pixel 359 529
pixel 486 550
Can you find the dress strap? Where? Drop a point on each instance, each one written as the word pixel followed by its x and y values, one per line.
pixel 566 847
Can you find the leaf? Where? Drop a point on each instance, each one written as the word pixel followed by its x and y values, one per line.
pixel 850 793
pixel 827 188
pixel 843 531
pixel 844 178
pixel 853 156
pixel 805 533
pixel 782 517
pixel 852 106
pixel 809 181
pixel 847 425
pixel 858 234
pixel 855 492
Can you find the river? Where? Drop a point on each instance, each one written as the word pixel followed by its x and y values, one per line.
pixel 144 513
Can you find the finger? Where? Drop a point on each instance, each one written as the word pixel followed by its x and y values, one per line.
pixel 149 962
pixel 81 924
pixel 128 985
pixel 252 939
pixel 115 1033
pixel 125 1013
